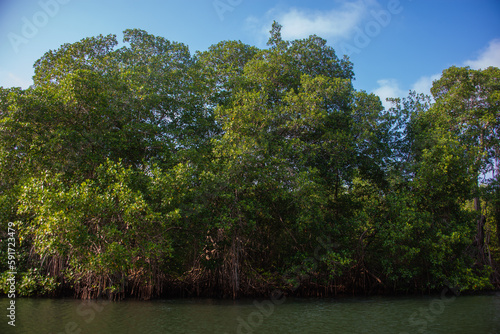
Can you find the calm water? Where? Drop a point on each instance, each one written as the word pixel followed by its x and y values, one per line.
pixel 463 314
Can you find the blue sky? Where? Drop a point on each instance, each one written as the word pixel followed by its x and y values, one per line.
pixel 395 45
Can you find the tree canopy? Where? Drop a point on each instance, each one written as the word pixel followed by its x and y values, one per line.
pixel 146 171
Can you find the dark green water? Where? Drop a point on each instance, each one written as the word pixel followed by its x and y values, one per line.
pixel 436 314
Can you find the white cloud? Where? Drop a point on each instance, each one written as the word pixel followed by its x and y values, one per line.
pixel 424 84
pixel 488 57
pixel 338 23
pixel 388 88
pixel 334 23
pixel 391 88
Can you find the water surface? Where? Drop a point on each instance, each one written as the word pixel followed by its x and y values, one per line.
pixel 435 314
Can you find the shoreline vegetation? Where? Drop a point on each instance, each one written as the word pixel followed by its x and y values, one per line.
pixel 148 172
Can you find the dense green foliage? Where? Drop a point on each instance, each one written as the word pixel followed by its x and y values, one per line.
pixel 148 171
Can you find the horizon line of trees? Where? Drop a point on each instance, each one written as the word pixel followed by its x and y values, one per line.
pixel 146 171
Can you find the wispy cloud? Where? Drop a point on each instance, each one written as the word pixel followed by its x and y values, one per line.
pixel 487 57
pixel 337 23
pixel 388 88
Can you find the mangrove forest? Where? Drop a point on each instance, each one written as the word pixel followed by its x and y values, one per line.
pixel 136 169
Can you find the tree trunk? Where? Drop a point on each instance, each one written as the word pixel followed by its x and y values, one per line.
pixel 496 204
pixel 479 240
pixel 497 217
pixel 235 282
